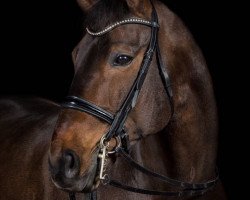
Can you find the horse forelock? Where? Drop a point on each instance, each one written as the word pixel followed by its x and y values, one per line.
pixel 106 12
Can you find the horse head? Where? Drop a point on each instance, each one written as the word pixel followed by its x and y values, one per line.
pixel 106 67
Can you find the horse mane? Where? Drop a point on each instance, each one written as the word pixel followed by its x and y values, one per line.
pixel 106 12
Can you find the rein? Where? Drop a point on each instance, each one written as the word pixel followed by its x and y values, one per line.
pixel 117 121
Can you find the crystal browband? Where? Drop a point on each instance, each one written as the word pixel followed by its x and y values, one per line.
pixel 125 21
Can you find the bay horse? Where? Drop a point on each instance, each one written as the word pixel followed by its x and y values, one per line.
pixel 140 110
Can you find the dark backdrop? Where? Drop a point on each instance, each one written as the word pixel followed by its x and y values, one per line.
pixel 37 38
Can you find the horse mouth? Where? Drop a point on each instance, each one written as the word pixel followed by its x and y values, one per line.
pixel 93 181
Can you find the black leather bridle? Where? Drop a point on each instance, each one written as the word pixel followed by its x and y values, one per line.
pixel 117 122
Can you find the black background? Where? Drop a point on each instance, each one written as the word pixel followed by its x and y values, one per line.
pixel 37 38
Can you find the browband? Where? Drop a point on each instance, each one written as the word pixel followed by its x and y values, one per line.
pixel 125 21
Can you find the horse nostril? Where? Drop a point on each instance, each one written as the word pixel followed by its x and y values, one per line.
pixel 71 163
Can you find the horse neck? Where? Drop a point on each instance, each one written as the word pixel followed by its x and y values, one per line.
pixel 191 136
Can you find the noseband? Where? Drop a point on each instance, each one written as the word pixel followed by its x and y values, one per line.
pixel 117 121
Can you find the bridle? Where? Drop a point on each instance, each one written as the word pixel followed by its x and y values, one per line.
pixel 117 121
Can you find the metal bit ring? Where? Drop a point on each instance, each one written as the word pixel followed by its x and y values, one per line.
pixel 119 144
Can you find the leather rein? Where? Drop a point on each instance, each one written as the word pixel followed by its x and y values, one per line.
pixel 117 121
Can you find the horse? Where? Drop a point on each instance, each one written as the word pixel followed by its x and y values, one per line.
pixel 140 110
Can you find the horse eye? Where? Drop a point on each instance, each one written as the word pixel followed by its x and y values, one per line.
pixel 122 60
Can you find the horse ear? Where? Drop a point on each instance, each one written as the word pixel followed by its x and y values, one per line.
pixel 140 8
pixel 86 5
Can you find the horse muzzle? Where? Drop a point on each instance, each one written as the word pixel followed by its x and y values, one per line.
pixel 66 175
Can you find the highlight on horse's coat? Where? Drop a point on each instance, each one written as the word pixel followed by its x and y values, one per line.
pixel 140 119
